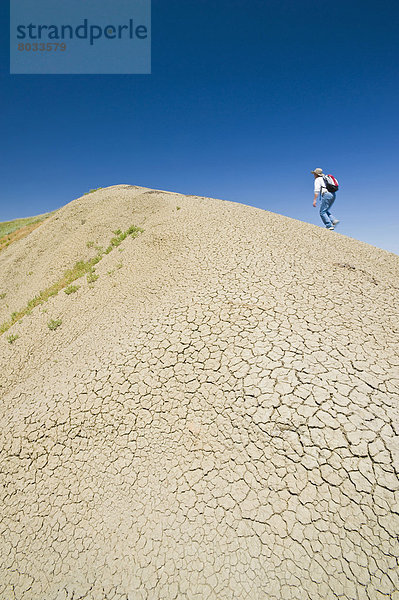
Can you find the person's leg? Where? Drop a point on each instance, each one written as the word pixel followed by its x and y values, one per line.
pixel 331 217
pixel 324 209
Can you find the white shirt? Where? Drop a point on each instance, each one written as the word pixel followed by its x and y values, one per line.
pixel 319 185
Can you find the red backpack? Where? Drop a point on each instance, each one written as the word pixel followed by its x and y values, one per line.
pixel 331 183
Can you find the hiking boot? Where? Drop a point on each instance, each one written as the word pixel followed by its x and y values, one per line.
pixel 335 222
pixel 332 228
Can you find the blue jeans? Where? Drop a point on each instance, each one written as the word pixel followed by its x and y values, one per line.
pixel 327 200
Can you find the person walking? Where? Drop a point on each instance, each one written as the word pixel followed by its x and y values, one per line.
pixel 326 199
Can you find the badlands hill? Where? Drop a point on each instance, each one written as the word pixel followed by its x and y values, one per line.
pixel 212 413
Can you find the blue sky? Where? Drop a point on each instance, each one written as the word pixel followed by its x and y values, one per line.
pixel 244 99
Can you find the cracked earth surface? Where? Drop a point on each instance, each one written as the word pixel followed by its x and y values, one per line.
pixel 216 417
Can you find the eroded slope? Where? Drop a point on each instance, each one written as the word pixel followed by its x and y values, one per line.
pixel 216 417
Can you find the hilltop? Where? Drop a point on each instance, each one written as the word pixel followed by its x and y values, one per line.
pixel 212 413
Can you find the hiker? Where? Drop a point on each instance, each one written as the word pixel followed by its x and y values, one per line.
pixel 325 186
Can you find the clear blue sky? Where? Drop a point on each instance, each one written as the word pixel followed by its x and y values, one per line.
pixel 245 98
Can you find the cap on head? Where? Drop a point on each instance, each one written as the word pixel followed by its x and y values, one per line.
pixel 317 172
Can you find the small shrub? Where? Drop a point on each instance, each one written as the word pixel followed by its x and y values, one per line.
pixel 90 244
pixel 115 241
pixel 71 289
pixel 117 232
pixel 2 296
pixel 178 207
pixel 134 231
pixel 119 265
pixel 54 323
pixel 92 277
pixel 11 338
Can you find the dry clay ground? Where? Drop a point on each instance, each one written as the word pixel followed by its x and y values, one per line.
pixel 215 418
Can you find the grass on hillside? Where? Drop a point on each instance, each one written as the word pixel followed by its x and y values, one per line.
pixel 71 289
pixel 54 323
pixel 11 231
pixel 91 191
pixel 78 270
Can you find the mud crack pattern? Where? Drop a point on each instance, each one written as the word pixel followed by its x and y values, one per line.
pixel 216 419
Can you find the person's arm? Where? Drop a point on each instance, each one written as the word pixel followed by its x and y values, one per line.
pixel 316 191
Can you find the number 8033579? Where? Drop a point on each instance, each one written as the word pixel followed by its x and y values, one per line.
pixel 42 47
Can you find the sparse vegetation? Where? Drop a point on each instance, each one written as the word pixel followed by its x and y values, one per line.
pixel 11 231
pixel 71 289
pixel 78 270
pixel 11 338
pixel 2 296
pixel 8 227
pixel 132 231
pixel 89 244
pixel 92 276
pixel 92 191
pixel 54 323
pixel 178 207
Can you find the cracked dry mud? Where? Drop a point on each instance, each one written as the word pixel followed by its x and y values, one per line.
pixel 216 417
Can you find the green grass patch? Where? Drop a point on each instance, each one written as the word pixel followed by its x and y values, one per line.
pixel 71 289
pixel 11 338
pixel 134 231
pixel 92 191
pixel 7 227
pixel 119 237
pixel 80 269
pixel 54 324
pixel 92 276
